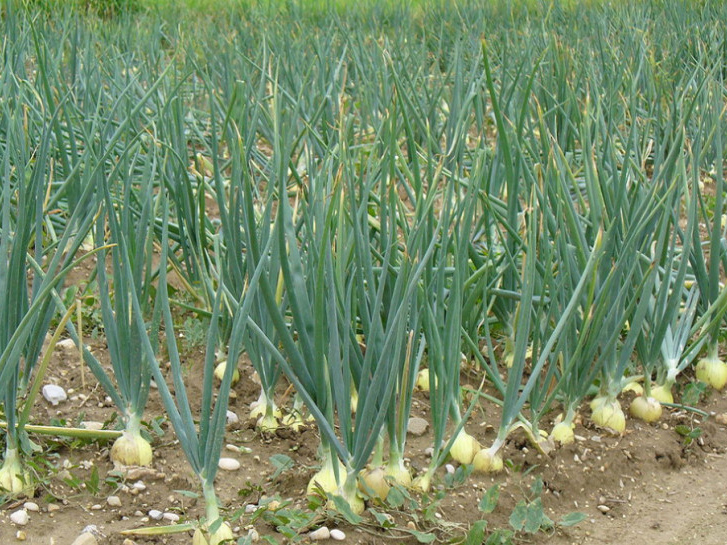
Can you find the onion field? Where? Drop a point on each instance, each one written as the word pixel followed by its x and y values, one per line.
pixel 379 272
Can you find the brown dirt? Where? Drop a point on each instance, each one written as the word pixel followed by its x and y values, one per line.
pixel 652 486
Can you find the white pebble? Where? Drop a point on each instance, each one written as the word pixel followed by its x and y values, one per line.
pixel 20 517
pixel 96 507
pixel 91 425
pixel 113 501
pixel 250 508
pixel 66 344
pixel 338 535
pixel 232 418
pixel 253 535
pixel 171 517
pixel 156 514
pixel 320 534
pixel 31 506
pixel 54 394
pixel 449 468
pixel 229 464
pixel 139 485
pixel 604 508
pixel 86 538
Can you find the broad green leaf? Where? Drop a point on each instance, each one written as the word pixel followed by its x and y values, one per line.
pixel 489 500
pixel 476 534
pixel 343 507
pixel 282 463
pixel 519 515
pixel 571 519
pixel 422 537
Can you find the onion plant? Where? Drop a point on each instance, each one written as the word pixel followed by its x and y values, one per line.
pixel 30 269
pixel 131 264
pixel 707 268
pixel 200 438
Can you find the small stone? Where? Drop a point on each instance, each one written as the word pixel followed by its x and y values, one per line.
pixel 417 426
pixel 232 418
pixel 320 534
pixel 171 517
pixel 411 525
pixel 20 535
pixel 250 508
pixel 20 517
pixel 449 468
pixel 31 506
pixel 138 513
pixel 91 425
pixel 127 541
pixel 141 472
pixel 604 508
pixel 52 507
pixel 253 535
pixel 138 485
pixel 54 394
pixel 721 419
pixel 113 501
pixel 156 514
pixel 66 344
pixel 96 507
pixel 429 452
pixel 86 538
pixel 338 535
pixel 229 464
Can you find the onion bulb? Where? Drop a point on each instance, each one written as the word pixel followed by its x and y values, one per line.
pixel 198 538
pixel 325 481
pixel 220 372
pixel 662 393
pixel 373 481
pixel 634 387
pixel 464 448
pixel 398 472
pixel 131 449
pixel 423 482
pixel 260 408
pixel 713 371
pixel 645 408
pixel 13 478
pixel 563 433
pixel 607 413
pixel 294 421
pixel 422 382
pixel 222 534
pixel 487 461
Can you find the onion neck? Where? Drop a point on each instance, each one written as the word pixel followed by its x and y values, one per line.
pixel 211 506
pixel 132 425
